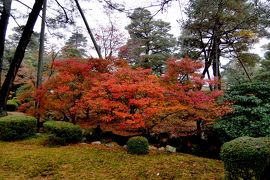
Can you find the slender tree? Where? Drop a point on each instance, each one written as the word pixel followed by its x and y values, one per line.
pixel 19 54
pixel 222 28
pixel 3 24
pixel 88 29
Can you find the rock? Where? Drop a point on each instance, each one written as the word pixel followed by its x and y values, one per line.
pixel 170 149
pixel 152 148
pixel 161 149
pixel 109 145
pixel 125 146
pixel 96 142
pixel 84 139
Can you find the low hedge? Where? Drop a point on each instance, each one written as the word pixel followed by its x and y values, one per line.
pixel 247 158
pixel 17 127
pixel 12 105
pixel 138 145
pixel 63 132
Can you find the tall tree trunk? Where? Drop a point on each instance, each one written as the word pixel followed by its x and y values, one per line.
pixel 97 48
pixel 40 59
pixel 18 56
pixel 215 55
pixel 3 24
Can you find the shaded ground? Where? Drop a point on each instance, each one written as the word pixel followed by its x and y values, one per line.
pixel 29 159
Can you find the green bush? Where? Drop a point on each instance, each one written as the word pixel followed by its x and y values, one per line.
pixel 250 116
pixel 247 158
pixel 63 132
pixel 17 127
pixel 138 145
pixel 12 105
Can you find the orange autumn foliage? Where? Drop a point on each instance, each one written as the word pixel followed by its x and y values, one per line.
pixel 127 97
pixel 184 84
pixel 97 91
pixel 59 95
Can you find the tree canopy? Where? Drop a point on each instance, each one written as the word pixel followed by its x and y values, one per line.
pixel 150 42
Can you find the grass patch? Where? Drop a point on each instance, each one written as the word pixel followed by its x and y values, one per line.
pixel 29 159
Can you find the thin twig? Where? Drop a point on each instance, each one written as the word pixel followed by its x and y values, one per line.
pixel 64 10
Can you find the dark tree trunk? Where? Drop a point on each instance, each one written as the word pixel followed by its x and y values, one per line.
pixel 97 48
pixel 215 56
pixel 3 24
pixel 18 56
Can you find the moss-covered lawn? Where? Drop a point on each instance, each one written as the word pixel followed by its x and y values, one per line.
pixel 29 159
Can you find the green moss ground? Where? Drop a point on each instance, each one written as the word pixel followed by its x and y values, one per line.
pixel 29 159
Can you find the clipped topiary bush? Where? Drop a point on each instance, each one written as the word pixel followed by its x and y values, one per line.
pixel 17 127
pixel 138 145
pixel 247 158
pixel 12 105
pixel 63 132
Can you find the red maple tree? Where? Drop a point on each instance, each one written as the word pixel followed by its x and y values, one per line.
pixel 109 92
pixel 59 95
pixel 127 97
pixel 184 86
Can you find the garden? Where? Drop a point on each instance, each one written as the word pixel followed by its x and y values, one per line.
pixel 105 107
pixel 142 101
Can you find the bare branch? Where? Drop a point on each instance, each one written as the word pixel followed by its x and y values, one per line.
pixel 64 10
pixel 24 4
pixel 162 5
pixel 15 20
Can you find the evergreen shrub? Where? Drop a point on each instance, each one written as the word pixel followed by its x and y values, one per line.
pixel 17 127
pixel 138 145
pixel 250 115
pixel 63 132
pixel 11 105
pixel 247 158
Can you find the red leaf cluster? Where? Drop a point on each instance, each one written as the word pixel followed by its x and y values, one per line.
pixel 109 91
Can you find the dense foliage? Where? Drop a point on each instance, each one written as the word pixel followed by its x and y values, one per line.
pixel 17 127
pixel 12 105
pixel 247 158
pixel 111 94
pixel 150 43
pixel 250 116
pixel 138 145
pixel 63 132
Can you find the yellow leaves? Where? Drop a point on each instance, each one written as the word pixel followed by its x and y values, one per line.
pixel 248 34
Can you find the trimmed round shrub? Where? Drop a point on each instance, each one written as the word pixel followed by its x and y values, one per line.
pixel 17 127
pixel 12 105
pixel 64 132
pixel 247 158
pixel 138 145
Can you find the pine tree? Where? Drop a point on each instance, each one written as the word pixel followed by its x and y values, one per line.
pixel 150 42
pixel 219 28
